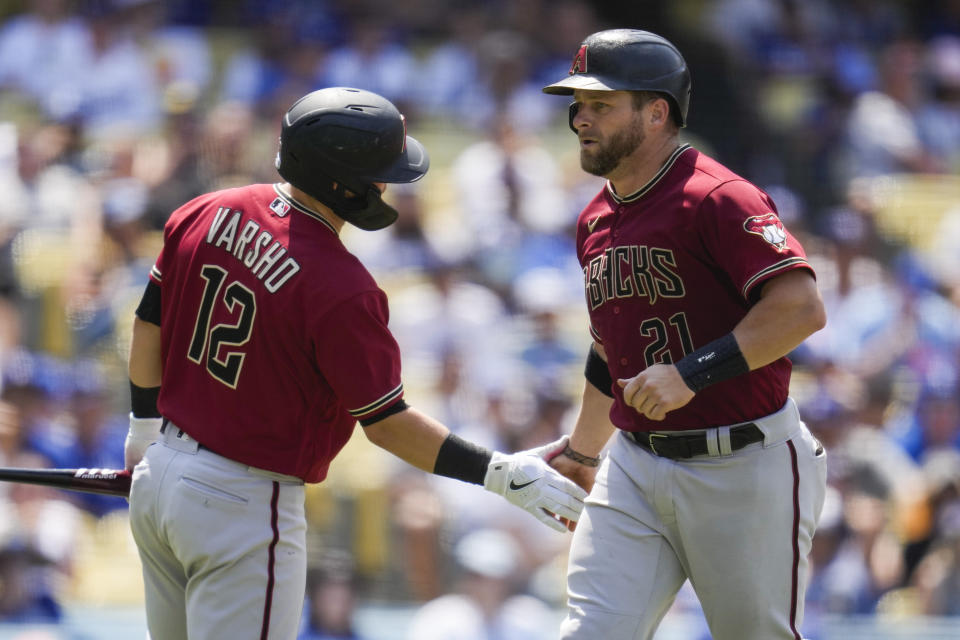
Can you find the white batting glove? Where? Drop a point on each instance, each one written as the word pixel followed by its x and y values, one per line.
pixel 549 451
pixel 143 432
pixel 526 480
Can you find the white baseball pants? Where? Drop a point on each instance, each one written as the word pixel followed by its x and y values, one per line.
pixel 738 526
pixel 223 545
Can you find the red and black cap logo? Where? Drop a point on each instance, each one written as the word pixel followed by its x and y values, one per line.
pixel 579 64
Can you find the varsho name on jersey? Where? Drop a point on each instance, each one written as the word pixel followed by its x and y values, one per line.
pixel 254 247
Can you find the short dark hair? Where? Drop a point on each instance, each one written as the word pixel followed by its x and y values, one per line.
pixel 641 98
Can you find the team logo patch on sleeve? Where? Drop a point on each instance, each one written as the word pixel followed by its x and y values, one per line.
pixel 279 207
pixel 579 64
pixel 768 227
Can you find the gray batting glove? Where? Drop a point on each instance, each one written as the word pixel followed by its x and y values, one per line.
pixel 143 432
pixel 526 480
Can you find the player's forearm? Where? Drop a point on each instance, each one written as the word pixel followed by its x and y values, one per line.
pixel 523 478
pixel 593 428
pixel 146 363
pixel 145 368
pixel 411 435
pixel 789 311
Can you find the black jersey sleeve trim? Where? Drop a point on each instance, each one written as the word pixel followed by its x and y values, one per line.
pixel 375 406
pixel 397 407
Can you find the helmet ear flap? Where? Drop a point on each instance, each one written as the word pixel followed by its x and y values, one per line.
pixel 353 138
pixel 571 114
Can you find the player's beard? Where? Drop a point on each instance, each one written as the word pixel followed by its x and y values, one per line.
pixel 608 155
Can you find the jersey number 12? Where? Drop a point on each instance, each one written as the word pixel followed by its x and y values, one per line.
pixel 223 360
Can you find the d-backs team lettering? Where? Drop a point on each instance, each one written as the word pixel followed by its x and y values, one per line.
pixel 632 270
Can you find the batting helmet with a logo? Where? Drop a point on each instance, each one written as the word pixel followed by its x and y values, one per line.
pixel 336 142
pixel 629 60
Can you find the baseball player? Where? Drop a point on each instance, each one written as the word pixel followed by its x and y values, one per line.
pixel 261 340
pixel 696 293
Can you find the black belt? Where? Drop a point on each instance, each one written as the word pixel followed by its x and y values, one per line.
pixel 677 446
pixel 180 433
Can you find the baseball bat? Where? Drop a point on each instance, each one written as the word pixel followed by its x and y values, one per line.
pixel 111 482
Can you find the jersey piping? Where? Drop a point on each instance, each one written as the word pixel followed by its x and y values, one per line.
pixel 376 405
pixel 636 195
pixel 763 273
pixel 302 208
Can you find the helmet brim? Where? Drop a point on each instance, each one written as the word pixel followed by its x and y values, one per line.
pixel 410 166
pixel 585 81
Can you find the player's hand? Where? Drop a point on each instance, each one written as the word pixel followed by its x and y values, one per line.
pixel 549 453
pixel 526 480
pixel 656 391
pixel 143 432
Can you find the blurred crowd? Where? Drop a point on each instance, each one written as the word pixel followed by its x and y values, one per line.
pixel 114 112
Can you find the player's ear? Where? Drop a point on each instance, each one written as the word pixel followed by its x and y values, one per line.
pixel 658 112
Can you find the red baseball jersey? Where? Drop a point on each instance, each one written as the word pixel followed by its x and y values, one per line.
pixel 675 265
pixel 274 336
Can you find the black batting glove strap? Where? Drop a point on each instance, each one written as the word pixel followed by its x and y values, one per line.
pixel 462 460
pixel 597 373
pixel 715 362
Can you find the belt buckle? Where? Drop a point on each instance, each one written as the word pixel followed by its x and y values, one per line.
pixel 653 447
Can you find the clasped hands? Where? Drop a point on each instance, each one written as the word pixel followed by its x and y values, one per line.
pixel 527 480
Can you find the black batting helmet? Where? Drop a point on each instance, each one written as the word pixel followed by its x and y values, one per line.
pixel 629 60
pixel 341 140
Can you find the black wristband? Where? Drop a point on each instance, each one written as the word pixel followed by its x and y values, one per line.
pixel 462 460
pixel 597 373
pixel 143 401
pixel 715 362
